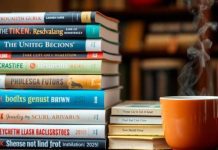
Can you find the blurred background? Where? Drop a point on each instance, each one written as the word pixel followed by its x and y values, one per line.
pixel 154 37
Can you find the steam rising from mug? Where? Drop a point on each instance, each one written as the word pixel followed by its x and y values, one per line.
pixel 197 54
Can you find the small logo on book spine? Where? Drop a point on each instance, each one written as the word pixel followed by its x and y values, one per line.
pixel 1 116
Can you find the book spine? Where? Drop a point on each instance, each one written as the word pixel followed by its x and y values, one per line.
pixel 51 46
pixel 136 130
pixel 52 131
pixel 49 31
pixel 79 144
pixel 47 18
pixel 50 67
pixel 50 81
pixel 80 99
pixel 136 112
pixel 54 116
pixel 53 56
pixel 135 120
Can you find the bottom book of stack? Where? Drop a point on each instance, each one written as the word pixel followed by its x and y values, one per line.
pixel 136 125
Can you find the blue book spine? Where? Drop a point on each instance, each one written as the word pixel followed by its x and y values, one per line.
pixel 49 31
pixel 78 99
pixel 83 144
pixel 52 45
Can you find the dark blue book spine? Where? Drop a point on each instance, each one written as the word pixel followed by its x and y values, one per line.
pixel 49 31
pixel 78 99
pixel 33 143
pixel 69 17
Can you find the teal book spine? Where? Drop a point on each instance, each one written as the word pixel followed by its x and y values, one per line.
pixel 50 45
pixel 51 99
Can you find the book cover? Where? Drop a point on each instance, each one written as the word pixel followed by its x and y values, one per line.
pixel 56 45
pixel 137 108
pixel 73 17
pixel 57 143
pixel 52 131
pixel 95 82
pixel 57 67
pixel 135 130
pixel 53 116
pixel 51 99
pixel 93 31
pixel 135 120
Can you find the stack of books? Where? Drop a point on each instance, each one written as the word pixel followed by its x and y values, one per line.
pixel 136 125
pixel 62 76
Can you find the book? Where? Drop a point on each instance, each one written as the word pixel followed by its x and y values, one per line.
pixel 159 77
pixel 93 31
pixel 52 131
pixel 60 56
pixel 57 45
pixel 171 27
pixel 53 116
pixel 169 43
pixel 57 143
pixel 135 130
pixel 58 82
pixel 58 67
pixel 137 142
pixel 133 34
pixel 134 120
pixel 67 99
pixel 59 18
pixel 137 108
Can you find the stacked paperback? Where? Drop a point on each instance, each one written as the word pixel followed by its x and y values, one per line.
pixel 61 75
pixel 136 125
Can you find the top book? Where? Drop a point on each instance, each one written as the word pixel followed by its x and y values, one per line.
pixel 73 17
pixel 137 108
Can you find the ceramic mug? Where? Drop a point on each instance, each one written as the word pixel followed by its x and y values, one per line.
pixel 190 122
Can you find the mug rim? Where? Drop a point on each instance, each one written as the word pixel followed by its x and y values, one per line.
pixel 189 98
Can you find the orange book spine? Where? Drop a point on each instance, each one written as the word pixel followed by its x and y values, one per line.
pixel 50 81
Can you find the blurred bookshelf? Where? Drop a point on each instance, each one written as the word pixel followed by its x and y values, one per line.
pixel 151 32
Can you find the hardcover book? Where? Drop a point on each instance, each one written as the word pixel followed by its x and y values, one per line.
pixel 57 45
pixel 137 108
pixel 52 131
pixel 51 99
pixel 50 143
pixel 54 116
pixel 60 56
pixel 73 17
pixel 62 67
pixel 93 31
pixel 95 82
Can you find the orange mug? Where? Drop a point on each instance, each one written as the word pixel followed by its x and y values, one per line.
pixel 190 122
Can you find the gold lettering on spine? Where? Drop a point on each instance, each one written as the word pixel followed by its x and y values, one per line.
pixel 86 17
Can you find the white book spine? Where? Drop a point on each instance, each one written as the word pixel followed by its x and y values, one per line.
pixel 24 18
pixel 52 116
pixel 135 112
pixel 135 120
pixel 52 131
pixel 93 45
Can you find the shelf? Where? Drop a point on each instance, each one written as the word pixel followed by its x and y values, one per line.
pixel 143 54
pixel 181 53
pixel 162 13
